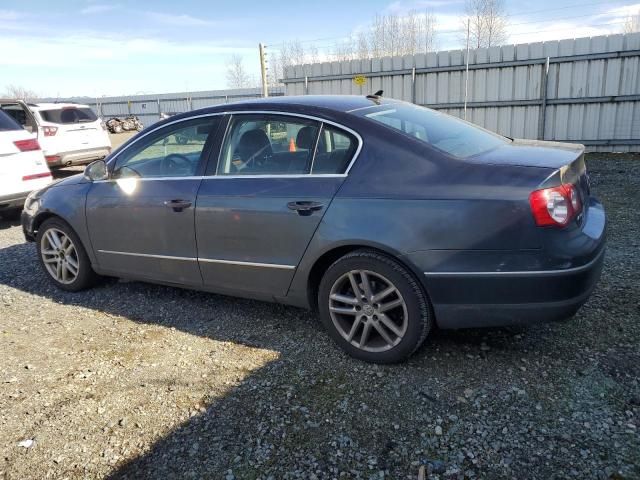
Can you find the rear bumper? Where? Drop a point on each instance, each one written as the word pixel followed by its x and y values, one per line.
pixel 497 288
pixel 14 200
pixel 512 298
pixel 77 157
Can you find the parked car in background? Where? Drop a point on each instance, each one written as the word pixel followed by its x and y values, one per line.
pixel 22 165
pixel 69 133
pixel 386 217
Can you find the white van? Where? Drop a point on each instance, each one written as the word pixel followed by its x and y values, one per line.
pixel 69 133
pixel 22 165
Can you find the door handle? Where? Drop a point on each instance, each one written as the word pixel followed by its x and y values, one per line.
pixel 305 208
pixel 177 205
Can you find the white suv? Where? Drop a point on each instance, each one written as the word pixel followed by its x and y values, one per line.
pixel 22 165
pixel 69 133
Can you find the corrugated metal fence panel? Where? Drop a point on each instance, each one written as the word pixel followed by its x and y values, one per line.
pixel 580 92
pixel 148 107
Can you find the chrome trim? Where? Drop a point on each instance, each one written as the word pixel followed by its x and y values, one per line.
pixel 315 148
pixel 519 273
pixel 151 130
pixel 206 260
pixel 247 264
pixel 148 255
pixel 222 177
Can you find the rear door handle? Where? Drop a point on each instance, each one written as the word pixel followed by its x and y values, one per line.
pixel 177 205
pixel 305 208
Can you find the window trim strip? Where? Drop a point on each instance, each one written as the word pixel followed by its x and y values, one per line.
pixel 238 112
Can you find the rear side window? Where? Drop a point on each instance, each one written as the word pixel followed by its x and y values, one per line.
pixel 444 132
pixel 334 151
pixel 68 115
pixel 7 123
pixel 265 144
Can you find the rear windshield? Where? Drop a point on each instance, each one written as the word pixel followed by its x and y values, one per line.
pixel 7 123
pixel 68 115
pixel 444 132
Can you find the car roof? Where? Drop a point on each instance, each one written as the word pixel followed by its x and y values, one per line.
pixel 340 103
pixel 51 106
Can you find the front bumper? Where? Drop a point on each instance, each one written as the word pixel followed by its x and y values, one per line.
pixel 14 200
pixel 78 157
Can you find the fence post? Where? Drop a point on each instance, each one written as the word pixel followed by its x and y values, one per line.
pixel 306 85
pixel 413 85
pixel 543 99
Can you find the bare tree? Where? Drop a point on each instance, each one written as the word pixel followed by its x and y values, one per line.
pixel 289 54
pixel 21 93
pixel 391 35
pixel 237 76
pixel 487 23
pixel 632 23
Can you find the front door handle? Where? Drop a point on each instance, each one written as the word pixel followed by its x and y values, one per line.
pixel 305 208
pixel 177 205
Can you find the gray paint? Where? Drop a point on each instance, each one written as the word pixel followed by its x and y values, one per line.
pixel 459 225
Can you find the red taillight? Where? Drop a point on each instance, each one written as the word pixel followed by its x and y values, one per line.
pixel 27 145
pixel 36 176
pixel 52 158
pixel 555 206
pixel 50 131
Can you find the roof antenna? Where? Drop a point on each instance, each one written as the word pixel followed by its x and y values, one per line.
pixel 376 96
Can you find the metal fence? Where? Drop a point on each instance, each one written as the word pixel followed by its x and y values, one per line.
pixel 584 90
pixel 149 107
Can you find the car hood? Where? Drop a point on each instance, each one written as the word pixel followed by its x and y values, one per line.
pixel 532 153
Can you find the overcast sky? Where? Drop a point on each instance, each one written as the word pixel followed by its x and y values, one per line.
pixel 96 48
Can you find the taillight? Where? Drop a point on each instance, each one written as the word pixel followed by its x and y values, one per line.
pixel 36 176
pixel 27 145
pixel 50 131
pixel 555 206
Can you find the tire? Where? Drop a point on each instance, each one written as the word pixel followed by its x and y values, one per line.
pixel 117 129
pixel 63 276
pixel 410 319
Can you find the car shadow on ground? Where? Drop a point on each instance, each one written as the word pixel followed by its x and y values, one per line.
pixel 301 409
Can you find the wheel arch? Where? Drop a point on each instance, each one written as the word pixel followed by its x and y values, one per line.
pixel 330 255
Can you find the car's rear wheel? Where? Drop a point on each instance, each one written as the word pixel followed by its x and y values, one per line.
pixel 63 257
pixel 373 307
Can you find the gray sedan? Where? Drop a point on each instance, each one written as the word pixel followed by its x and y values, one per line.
pixel 387 218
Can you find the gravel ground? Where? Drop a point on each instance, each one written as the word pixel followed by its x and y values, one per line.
pixel 130 380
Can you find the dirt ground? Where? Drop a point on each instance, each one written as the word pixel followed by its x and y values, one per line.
pixel 130 380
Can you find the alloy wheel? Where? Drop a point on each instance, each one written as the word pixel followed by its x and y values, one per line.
pixel 368 310
pixel 59 256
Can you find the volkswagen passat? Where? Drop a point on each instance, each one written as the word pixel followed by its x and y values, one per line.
pixel 387 218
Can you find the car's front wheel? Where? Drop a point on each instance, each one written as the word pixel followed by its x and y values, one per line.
pixel 63 257
pixel 373 307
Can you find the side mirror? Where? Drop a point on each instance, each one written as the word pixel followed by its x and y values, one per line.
pixel 96 171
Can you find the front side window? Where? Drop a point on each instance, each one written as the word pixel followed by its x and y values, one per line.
pixel 173 151
pixel 444 132
pixel 267 144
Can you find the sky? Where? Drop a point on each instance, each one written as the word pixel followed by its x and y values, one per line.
pixel 95 48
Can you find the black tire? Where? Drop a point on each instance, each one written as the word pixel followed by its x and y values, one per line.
pixel 415 314
pixel 85 276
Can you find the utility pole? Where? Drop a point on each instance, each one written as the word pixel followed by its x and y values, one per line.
pixel 263 71
pixel 466 76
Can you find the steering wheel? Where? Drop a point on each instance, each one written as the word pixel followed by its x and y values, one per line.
pixel 175 164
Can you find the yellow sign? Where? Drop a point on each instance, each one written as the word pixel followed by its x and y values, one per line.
pixel 360 80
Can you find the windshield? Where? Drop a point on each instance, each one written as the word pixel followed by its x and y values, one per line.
pixel 69 115
pixel 444 132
